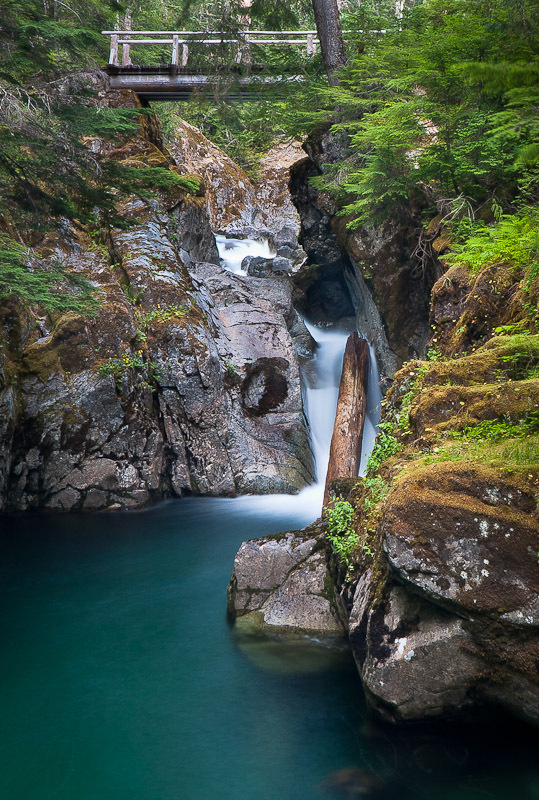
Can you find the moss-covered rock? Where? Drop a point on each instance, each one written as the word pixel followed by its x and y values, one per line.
pixel 445 612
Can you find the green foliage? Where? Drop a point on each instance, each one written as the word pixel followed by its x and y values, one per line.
pixel 496 429
pixel 442 106
pixel 146 180
pixel 240 129
pixel 340 531
pixel 385 446
pixel 377 490
pixel 51 37
pixel 433 354
pixel 118 368
pixel 230 369
pixel 520 452
pixel 514 240
pixel 37 283
pixel 144 320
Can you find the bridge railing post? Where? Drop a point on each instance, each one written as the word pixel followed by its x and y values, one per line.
pixel 175 50
pixel 243 53
pixel 311 47
pixel 185 54
pixel 126 55
pixel 113 58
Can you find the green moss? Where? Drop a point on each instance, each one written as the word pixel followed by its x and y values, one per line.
pixel 505 453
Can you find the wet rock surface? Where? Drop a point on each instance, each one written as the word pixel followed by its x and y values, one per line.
pixel 416 661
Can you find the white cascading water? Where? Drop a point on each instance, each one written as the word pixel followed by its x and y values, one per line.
pixel 321 394
pixel 374 407
pixel 233 251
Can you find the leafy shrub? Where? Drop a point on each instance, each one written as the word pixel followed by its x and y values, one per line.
pixel 514 240
pixel 377 490
pixel 496 429
pixel 118 366
pixel 144 320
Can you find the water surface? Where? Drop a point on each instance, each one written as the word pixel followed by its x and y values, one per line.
pixel 120 678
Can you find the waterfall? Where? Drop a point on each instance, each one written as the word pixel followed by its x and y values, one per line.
pixel 322 393
pixel 374 408
pixel 233 251
pixel 322 377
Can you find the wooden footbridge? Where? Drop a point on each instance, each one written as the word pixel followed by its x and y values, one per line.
pixel 198 60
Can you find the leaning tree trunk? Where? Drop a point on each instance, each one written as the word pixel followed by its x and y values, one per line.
pixel 345 450
pixel 328 25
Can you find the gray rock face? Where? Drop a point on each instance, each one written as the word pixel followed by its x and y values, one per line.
pixel 448 619
pixel 266 420
pixel 187 381
pixel 416 661
pixel 469 564
pixel 281 585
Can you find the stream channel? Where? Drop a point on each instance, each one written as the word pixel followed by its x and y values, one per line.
pixel 121 679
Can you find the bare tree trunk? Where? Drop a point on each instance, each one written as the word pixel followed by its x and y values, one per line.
pixel 345 451
pixel 244 49
pixel 328 25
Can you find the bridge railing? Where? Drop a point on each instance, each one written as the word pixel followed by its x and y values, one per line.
pixel 182 40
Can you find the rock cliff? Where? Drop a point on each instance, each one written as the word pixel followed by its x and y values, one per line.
pixel 185 382
pixel 376 268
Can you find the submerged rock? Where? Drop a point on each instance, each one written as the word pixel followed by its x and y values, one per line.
pixel 262 267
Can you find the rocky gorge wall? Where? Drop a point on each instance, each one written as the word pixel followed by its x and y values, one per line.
pixel 439 595
pixel 375 268
pixel 187 379
pixel 187 382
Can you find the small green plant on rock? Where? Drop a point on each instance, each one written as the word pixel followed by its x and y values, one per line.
pixel 385 446
pixel 144 320
pixel 118 366
pixel 340 531
pixel 496 429
pixel 377 491
pixel 230 368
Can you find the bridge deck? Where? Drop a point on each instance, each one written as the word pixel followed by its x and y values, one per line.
pixel 164 83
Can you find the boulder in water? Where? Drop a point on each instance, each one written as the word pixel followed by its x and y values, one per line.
pixel 280 584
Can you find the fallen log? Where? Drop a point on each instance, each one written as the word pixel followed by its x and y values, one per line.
pixel 345 450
